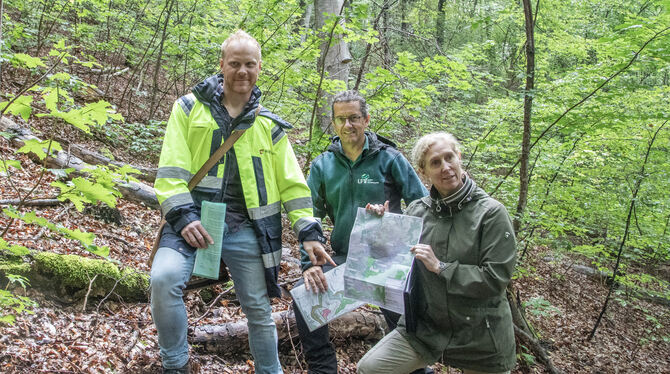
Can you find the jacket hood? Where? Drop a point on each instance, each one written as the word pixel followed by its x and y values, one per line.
pixel 375 143
pixel 447 206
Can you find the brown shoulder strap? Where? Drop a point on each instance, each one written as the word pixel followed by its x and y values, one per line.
pixel 218 154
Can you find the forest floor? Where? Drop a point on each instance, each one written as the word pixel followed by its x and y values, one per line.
pixel 118 337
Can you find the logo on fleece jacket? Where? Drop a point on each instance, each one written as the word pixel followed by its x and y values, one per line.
pixel 365 179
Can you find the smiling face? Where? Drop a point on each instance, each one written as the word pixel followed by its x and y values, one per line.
pixel 240 67
pixel 442 167
pixel 350 124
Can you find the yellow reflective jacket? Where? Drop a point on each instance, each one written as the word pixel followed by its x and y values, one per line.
pixel 268 169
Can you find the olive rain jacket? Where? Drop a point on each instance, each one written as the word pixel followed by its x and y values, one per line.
pixel 269 172
pixel 463 312
pixel 340 186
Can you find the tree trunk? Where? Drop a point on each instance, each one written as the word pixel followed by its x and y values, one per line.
pixel 439 23
pixel 524 178
pixel 335 55
pixel 133 191
pixel 234 336
pixel 157 67
pixel 404 24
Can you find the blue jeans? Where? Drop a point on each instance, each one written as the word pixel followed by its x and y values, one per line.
pixel 171 270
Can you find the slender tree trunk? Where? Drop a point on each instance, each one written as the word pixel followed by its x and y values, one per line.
pixel 335 55
pixel 439 23
pixel 157 67
pixel 386 59
pixel 2 14
pixel 306 20
pixel 524 178
pixel 404 24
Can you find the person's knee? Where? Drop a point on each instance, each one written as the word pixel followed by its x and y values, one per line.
pixel 166 281
pixel 364 366
pixel 259 313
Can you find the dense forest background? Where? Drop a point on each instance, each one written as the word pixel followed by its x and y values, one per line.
pixel 561 108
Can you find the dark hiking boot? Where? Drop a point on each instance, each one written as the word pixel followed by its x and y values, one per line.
pixel 186 369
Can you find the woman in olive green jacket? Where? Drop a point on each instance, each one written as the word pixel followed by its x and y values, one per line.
pixel 466 258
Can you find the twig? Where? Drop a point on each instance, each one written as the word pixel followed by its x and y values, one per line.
pixel 97 309
pixel 118 238
pixel 212 304
pixel 290 338
pixel 90 286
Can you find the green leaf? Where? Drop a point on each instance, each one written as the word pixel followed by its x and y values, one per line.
pixel 17 250
pixel 8 319
pixel 62 77
pixel 85 238
pixel 6 164
pixel 20 107
pixel 99 112
pixel 95 192
pixel 22 59
pixel 39 147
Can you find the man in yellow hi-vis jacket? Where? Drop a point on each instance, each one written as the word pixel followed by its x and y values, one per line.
pixel 255 178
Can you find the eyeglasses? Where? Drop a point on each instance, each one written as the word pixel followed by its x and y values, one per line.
pixel 353 119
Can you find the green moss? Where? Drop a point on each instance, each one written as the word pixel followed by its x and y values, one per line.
pixel 77 272
pixel 14 267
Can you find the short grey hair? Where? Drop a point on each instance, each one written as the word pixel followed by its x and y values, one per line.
pixel 349 96
pixel 425 142
pixel 240 36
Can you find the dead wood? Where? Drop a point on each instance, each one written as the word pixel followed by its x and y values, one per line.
pixel 94 158
pixel 71 278
pixel 234 336
pixel 605 278
pixel 36 202
pixel 132 191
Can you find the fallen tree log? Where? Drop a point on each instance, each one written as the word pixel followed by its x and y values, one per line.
pixel 72 278
pixel 36 202
pixel 147 174
pixel 604 278
pixel 133 191
pixel 233 337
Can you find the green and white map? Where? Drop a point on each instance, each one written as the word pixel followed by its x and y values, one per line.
pixel 320 308
pixel 379 258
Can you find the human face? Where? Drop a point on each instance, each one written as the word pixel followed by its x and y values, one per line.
pixel 442 167
pixel 240 67
pixel 350 124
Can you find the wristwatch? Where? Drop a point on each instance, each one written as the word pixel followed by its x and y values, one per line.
pixel 441 267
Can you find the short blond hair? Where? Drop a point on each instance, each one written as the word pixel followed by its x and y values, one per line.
pixel 240 36
pixel 425 142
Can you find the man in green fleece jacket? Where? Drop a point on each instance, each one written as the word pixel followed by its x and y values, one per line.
pixel 358 168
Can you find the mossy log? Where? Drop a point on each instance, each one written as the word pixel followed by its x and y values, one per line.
pixel 233 337
pixel 71 278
